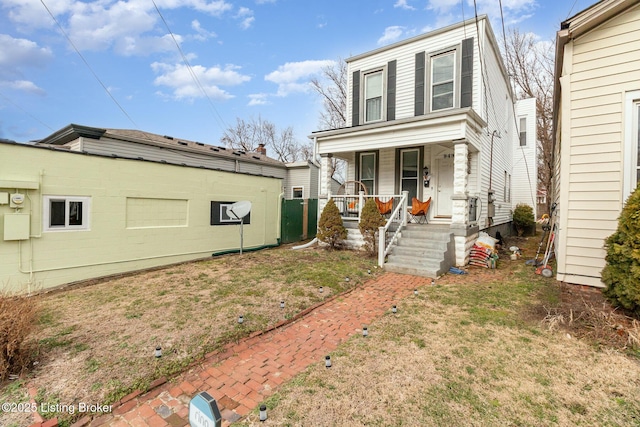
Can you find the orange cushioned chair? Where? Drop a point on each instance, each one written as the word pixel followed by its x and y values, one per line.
pixel 419 210
pixel 385 208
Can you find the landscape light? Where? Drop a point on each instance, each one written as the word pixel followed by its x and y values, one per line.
pixel 320 289
pixel 263 412
pixel 365 332
pixel 346 279
pixel 415 292
pixel 433 282
pixel 240 319
pixel 394 309
pixel 158 352
pixel 281 304
pixel 327 361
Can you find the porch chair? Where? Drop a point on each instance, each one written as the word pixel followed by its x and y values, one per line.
pixel 349 206
pixel 419 210
pixel 385 208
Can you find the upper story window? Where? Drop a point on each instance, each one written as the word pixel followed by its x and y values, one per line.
pixel 297 192
pixel 523 131
pixel 66 213
pixel 373 89
pixel 443 72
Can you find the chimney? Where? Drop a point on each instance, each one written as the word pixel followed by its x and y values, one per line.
pixel 261 150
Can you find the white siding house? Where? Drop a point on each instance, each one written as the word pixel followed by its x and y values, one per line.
pixel 525 162
pixel 433 116
pixel 596 117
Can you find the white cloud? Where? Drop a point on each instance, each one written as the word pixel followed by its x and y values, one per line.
pixel 258 99
pixel 23 86
pixel 107 24
pixel 202 34
pixel 178 78
pixel 402 4
pixel 391 34
pixel 294 77
pixel 17 55
pixel 246 17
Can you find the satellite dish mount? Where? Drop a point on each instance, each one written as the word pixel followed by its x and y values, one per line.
pixel 238 211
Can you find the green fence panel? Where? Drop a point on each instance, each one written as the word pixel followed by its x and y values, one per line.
pixel 295 227
pixel 313 218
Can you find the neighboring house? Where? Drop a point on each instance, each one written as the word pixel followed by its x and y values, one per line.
pixel 524 186
pixel 88 202
pixel 596 121
pixel 432 116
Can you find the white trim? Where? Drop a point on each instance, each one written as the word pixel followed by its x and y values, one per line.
pixel 293 190
pixel 46 213
pixel 630 143
pixel 455 77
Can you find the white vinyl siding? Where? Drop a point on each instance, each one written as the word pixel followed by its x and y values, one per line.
pixel 601 67
pixel 525 165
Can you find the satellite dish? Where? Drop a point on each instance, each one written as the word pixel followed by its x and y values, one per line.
pixel 240 209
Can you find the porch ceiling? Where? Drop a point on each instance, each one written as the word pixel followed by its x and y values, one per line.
pixel 414 131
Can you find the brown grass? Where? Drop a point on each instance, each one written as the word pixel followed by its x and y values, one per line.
pixel 17 319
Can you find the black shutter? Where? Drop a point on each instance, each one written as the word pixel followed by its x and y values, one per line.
pixel 391 90
pixel 419 87
pixel 355 95
pixel 466 75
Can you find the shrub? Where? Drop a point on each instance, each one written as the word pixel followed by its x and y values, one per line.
pixel 621 274
pixel 330 227
pixel 370 221
pixel 523 218
pixel 17 317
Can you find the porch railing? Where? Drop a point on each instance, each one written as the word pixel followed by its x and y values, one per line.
pixel 398 216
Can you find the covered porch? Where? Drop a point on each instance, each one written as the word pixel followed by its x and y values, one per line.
pixel 416 159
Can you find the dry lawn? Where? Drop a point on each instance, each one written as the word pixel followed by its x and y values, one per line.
pixel 97 342
pixel 502 347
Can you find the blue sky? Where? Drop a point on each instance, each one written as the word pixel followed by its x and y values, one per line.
pixel 253 58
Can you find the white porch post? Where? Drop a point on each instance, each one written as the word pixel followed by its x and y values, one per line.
pixel 325 182
pixel 460 201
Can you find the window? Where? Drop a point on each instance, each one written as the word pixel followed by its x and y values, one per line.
pixel 442 81
pixel 373 96
pixel 367 171
pixel 297 192
pixel 523 131
pixel 66 213
pixel 409 168
pixel 631 143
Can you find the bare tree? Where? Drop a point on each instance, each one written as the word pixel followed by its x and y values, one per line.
pixel 332 88
pixel 530 63
pixel 248 135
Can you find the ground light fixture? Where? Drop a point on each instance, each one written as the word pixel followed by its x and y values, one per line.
pixel 281 304
pixel 415 292
pixel 394 309
pixel 241 319
pixel 433 282
pixel 263 412
pixel 365 332
pixel 320 289
pixel 346 279
pixel 327 361
pixel 158 352
pixel 369 271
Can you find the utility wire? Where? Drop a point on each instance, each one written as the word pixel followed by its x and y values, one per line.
pixel 87 64
pixel 26 112
pixel 217 116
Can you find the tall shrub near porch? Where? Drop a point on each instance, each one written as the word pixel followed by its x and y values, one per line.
pixel 370 221
pixel 622 272
pixel 330 227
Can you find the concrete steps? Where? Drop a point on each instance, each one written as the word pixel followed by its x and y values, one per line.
pixel 422 250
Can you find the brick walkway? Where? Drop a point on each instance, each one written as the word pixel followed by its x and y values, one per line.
pixel 248 372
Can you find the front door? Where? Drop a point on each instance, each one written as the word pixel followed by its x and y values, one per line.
pixel 445 187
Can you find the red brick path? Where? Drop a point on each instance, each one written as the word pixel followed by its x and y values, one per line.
pixel 248 372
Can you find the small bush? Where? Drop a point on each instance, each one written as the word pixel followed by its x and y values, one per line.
pixel 370 221
pixel 17 318
pixel 523 218
pixel 621 274
pixel 330 227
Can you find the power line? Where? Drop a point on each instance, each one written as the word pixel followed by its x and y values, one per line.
pixel 26 112
pixel 87 64
pixel 191 72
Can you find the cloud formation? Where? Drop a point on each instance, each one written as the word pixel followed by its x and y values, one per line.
pixel 178 78
pixel 294 77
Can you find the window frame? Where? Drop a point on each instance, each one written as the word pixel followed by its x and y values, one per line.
pixel 363 93
pixel 456 52
pixel 293 192
pixel 375 169
pixel 631 143
pixel 46 213
pixel 522 132
pixel 418 170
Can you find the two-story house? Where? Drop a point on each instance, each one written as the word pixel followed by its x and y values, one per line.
pixel 431 117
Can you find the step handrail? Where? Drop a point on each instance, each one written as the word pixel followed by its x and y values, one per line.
pixel 400 212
